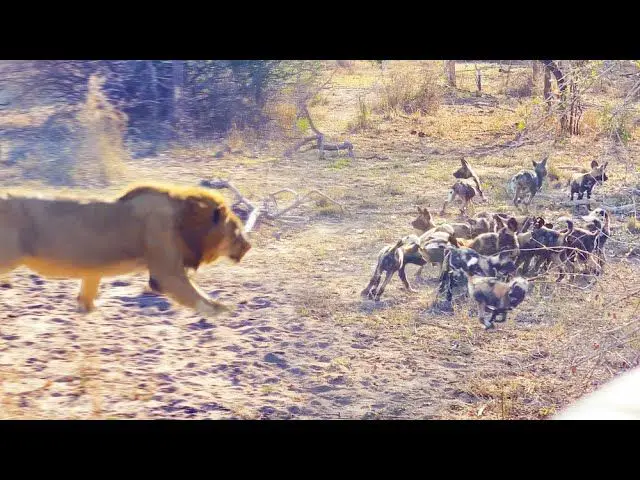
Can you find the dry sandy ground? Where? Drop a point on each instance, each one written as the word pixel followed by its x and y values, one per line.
pixel 301 343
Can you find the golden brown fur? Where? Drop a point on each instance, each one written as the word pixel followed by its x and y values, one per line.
pixel 162 229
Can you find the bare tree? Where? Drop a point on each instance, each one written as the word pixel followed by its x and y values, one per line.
pixel 450 70
pixel 536 74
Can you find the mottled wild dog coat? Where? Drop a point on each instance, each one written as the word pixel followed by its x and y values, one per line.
pixel 410 249
pixel 545 245
pixel 505 239
pixel 467 187
pixel 456 262
pixel 494 296
pixel 525 184
pixel 465 171
pixel 391 259
pixel 582 244
pixel 584 182
pixel 464 189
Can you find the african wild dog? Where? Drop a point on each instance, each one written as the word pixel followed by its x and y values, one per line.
pixel 466 190
pixel 582 243
pixel 543 244
pixel 505 239
pixel 408 250
pixel 424 223
pixel 494 296
pixel 465 172
pixel 525 222
pixel 584 182
pixel 391 259
pixel 466 187
pixel 456 262
pixel 525 184
pixel 484 221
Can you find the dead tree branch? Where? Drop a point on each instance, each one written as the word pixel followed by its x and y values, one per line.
pixel 266 211
pixel 319 137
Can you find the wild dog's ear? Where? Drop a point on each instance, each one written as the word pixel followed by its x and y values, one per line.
pixel 544 162
pixel 464 162
pixel 539 223
pixel 426 213
pixel 499 221
pixel 594 164
pixel 512 224
pixel 549 225
pixel 535 164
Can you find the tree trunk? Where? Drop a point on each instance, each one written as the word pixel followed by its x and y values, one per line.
pixel 536 73
pixel 548 95
pixel 450 69
pixel 551 65
pixel 478 82
pixel 178 91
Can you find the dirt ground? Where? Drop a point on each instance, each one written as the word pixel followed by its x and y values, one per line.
pixel 301 343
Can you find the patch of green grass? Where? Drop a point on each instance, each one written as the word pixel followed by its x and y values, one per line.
pixel 393 189
pixel 340 163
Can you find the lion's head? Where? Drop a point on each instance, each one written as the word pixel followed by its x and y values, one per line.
pixel 207 226
pixel 211 230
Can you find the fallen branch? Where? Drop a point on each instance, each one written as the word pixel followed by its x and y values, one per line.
pixel 621 209
pixel 255 213
pixel 320 145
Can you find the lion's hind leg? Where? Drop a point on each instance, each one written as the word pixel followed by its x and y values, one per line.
pixel 10 255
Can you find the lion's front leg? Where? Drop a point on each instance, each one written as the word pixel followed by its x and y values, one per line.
pixel 178 286
pixel 88 293
pixel 168 275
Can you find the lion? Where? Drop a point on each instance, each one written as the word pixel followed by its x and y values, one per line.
pixel 162 229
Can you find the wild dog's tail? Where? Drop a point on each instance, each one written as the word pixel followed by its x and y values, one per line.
pixel 569 224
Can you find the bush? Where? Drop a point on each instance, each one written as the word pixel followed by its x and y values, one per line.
pixel 411 91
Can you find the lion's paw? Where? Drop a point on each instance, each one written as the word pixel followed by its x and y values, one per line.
pixel 213 308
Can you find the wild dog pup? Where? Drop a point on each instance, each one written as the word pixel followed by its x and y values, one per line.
pixel 494 296
pixel 424 223
pixel 465 172
pixel 582 244
pixel 544 244
pixel 391 259
pixel 432 245
pixel 505 239
pixel 408 250
pixel 525 184
pixel 525 222
pixel 464 189
pixel 456 261
pixel 584 182
pixel 484 221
